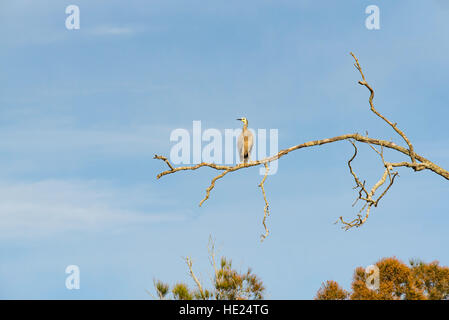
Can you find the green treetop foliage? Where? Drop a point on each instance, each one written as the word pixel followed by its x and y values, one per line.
pixel 227 284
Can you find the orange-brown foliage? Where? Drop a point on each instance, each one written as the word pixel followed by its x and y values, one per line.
pixel 398 281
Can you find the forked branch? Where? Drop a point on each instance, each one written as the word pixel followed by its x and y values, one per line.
pixel 417 163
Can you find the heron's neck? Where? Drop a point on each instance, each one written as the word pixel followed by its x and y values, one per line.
pixel 245 127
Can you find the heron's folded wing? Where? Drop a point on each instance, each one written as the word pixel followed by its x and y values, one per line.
pixel 250 141
pixel 240 146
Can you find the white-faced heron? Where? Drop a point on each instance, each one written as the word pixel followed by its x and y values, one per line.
pixel 245 142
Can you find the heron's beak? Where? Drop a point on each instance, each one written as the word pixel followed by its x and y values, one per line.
pixel 239 119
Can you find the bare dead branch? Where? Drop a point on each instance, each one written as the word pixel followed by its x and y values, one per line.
pixel 192 274
pixel 418 163
pixel 212 185
pixel 166 161
pixel 393 125
pixel 265 209
pixel 356 179
pixel 211 250
pixel 355 136
pixel 369 196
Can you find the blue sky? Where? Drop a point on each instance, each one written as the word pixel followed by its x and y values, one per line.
pixel 82 112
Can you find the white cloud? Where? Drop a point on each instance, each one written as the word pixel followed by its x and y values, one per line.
pixel 56 206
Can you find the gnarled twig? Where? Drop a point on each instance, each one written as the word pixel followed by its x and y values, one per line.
pixel 265 209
